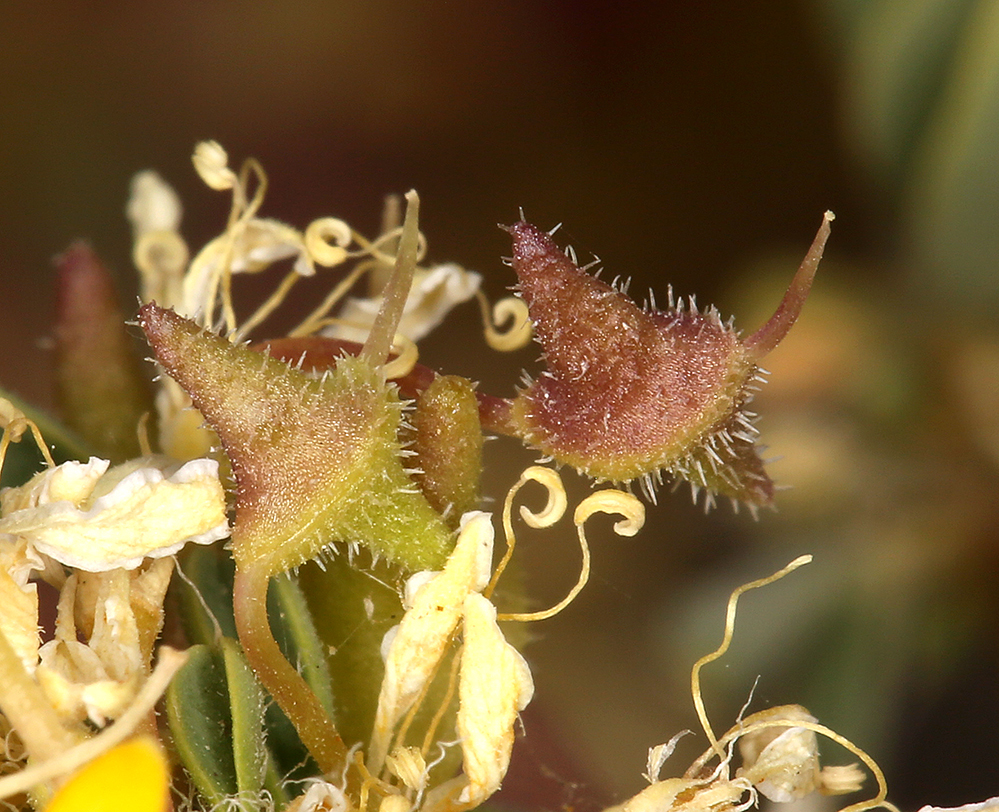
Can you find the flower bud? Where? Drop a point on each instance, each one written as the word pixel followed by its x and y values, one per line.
pixel 448 445
pixel 101 390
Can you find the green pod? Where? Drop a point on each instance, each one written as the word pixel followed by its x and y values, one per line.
pixel 316 460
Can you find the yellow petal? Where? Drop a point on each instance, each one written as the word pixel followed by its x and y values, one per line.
pixel 131 776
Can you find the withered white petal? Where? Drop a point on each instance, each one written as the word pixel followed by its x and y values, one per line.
pixel 254 246
pixel 19 619
pixel 435 292
pixel 70 482
pixel 494 685
pixel 422 638
pixel 263 242
pixel 146 513
pixel 78 687
pixel 322 796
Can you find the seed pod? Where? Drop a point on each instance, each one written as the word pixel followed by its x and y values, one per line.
pixel 632 393
pixel 316 461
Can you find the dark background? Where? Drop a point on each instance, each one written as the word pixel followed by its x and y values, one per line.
pixel 692 144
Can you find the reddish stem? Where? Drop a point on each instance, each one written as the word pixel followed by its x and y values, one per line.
pixel 284 683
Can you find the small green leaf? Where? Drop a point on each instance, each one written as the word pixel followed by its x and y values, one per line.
pixel 353 610
pixel 210 570
pixel 215 708
pixel 246 705
pixel 197 704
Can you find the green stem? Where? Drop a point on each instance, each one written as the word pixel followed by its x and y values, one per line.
pixel 285 684
pixel 26 708
pixel 396 292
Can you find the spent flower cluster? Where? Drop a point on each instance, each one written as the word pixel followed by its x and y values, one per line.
pixel 346 477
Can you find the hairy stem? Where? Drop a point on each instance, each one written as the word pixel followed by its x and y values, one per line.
pixel 285 684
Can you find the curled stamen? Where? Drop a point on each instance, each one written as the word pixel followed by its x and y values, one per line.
pixel 268 307
pixel 243 210
pixel 511 309
pixel 553 510
pixel 212 267
pixel 606 501
pixel 613 501
pixel 695 674
pixel 320 233
pixel 250 205
pixel 318 318
pixel 376 250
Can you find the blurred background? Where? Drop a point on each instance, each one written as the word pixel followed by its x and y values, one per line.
pixel 692 144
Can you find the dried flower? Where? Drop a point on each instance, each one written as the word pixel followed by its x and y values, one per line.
pixel 783 762
pixel 779 748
